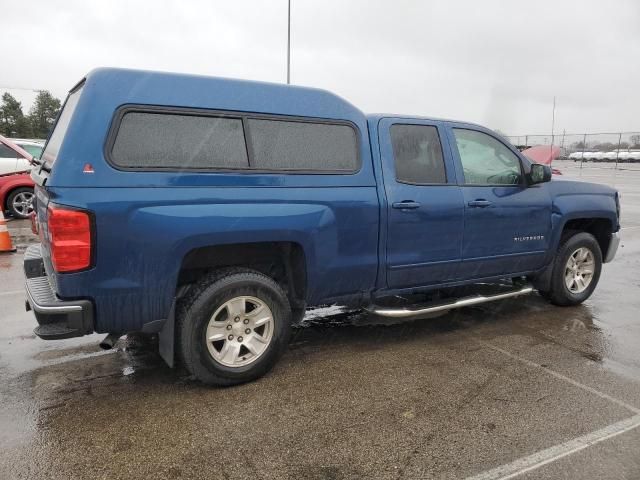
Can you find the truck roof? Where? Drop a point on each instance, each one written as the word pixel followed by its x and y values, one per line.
pixel 200 91
pixel 374 117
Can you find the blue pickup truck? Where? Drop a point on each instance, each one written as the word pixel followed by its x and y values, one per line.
pixel 213 212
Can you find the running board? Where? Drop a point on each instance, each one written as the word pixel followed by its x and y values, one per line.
pixel 462 302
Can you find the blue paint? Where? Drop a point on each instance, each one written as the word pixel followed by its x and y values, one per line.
pixel 354 241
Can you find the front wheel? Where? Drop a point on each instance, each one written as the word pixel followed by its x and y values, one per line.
pixel 576 270
pixel 233 327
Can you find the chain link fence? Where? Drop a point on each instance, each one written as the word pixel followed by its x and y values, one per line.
pixel 599 150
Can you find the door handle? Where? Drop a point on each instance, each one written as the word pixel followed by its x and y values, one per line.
pixel 406 205
pixel 480 202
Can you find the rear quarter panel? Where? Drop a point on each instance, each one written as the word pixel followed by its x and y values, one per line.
pixel 142 235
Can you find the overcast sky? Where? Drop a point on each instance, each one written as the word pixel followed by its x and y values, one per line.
pixel 498 63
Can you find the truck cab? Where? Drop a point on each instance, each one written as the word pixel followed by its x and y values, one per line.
pixel 460 203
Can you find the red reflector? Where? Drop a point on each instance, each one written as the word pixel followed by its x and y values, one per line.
pixel 34 224
pixel 88 168
pixel 70 239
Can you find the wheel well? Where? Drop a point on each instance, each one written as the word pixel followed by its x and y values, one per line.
pixel 282 261
pixel 598 227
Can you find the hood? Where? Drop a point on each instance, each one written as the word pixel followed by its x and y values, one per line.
pixel 564 186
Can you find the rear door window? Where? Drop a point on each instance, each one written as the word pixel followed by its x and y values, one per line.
pixel 418 154
pixel 175 141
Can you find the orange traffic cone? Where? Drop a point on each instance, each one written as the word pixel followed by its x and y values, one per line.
pixel 5 239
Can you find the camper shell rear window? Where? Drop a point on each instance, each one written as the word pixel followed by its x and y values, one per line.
pixel 51 149
pixel 150 138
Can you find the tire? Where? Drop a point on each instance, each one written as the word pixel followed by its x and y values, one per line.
pixel 207 311
pixel 574 245
pixel 16 202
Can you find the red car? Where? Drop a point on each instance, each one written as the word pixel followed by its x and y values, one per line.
pixel 543 154
pixel 16 189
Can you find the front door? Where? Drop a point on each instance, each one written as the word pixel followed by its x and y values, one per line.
pixel 507 222
pixel 425 206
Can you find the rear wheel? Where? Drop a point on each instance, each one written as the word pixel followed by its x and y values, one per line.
pixel 233 327
pixel 20 202
pixel 576 270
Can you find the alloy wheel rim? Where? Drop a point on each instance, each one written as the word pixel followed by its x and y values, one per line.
pixel 579 270
pixel 240 331
pixel 23 203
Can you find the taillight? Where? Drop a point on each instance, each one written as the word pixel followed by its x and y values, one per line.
pixel 70 238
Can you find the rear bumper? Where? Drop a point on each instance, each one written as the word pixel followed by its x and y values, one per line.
pixel 614 243
pixel 57 318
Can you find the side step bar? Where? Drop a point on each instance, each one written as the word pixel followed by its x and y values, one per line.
pixel 459 303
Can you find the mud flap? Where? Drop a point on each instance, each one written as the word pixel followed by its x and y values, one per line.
pixel 166 338
pixel 542 282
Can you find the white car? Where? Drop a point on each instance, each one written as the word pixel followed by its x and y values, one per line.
pixel 575 156
pixel 625 156
pixel 578 156
pixel 610 156
pixel 634 156
pixel 594 156
pixel 32 146
pixel 12 161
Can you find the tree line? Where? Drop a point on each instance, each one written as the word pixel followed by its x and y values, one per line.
pixel 35 124
pixel 634 143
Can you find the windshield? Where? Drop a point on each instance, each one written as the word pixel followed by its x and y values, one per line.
pixel 34 150
pixel 50 153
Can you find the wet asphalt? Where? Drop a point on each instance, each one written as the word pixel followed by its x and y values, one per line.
pixel 512 386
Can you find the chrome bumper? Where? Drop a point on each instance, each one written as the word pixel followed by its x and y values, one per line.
pixel 613 247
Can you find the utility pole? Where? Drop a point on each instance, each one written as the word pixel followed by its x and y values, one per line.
pixel 289 43
pixel 553 125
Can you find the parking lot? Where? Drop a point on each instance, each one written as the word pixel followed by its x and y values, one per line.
pixel 517 388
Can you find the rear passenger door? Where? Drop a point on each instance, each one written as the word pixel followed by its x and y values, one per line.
pixel 424 203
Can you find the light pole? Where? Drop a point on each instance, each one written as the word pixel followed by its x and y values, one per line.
pixel 553 125
pixel 289 42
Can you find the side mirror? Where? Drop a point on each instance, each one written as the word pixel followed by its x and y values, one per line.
pixel 539 174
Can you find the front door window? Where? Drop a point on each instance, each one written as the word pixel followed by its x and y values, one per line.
pixel 485 160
